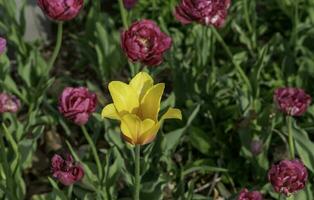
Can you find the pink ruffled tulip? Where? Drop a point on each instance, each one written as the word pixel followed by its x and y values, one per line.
pixel 61 10
pixel 207 12
pixel 3 45
pixel 9 103
pixel 292 101
pixel 77 104
pixel 144 42
pixel 65 170
pixel 246 195
pixel 288 176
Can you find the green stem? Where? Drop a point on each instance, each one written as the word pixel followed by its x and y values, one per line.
pixel 94 151
pixel 237 66
pixel 137 183
pixel 57 47
pixel 290 135
pixel 123 13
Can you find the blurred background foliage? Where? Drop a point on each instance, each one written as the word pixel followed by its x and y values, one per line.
pixel 207 155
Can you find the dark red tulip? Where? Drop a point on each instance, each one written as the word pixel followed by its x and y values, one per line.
pixel 288 176
pixel 3 45
pixel 207 12
pixel 66 170
pixel 256 147
pixel 246 195
pixel 77 104
pixel 9 103
pixel 129 4
pixel 144 42
pixel 292 101
pixel 61 10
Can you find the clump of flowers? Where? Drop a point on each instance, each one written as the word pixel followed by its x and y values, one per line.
pixel 245 194
pixel 77 104
pixel 66 170
pixel 3 45
pixel 129 4
pixel 9 103
pixel 288 176
pixel 61 10
pixel 206 12
pixel 292 101
pixel 144 42
pixel 136 105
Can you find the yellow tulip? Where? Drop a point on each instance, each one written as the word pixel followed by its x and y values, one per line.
pixel 136 105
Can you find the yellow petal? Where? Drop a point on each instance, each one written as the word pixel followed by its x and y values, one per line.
pixel 110 112
pixel 172 113
pixel 150 104
pixel 142 82
pixel 132 127
pixel 149 135
pixel 124 97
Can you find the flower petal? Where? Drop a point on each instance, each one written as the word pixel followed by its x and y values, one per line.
pixel 110 112
pixel 172 113
pixel 142 82
pixel 150 104
pixel 124 97
pixel 149 135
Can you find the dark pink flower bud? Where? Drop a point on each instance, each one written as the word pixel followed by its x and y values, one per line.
pixel 9 103
pixel 129 4
pixel 207 12
pixel 256 147
pixel 292 101
pixel 61 10
pixel 77 104
pixel 66 170
pixel 3 45
pixel 246 195
pixel 288 176
pixel 144 42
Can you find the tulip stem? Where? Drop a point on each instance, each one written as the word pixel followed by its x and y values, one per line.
pixel 290 135
pixel 123 13
pixel 57 47
pixel 237 66
pixel 94 151
pixel 137 173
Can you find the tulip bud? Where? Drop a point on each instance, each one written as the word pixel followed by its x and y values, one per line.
pixel 61 10
pixel 144 42
pixel 77 104
pixel 246 195
pixel 206 12
pixel 9 103
pixel 256 147
pixel 129 4
pixel 3 45
pixel 292 101
pixel 66 170
pixel 288 176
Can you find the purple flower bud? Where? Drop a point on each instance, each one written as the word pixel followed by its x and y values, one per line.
pixel 256 147
pixel 144 42
pixel 3 45
pixel 66 171
pixel 292 101
pixel 288 176
pixel 207 12
pixel 129 4
pixel 246 195
pixel 77 104
pixel 9 103
pixel 61 10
